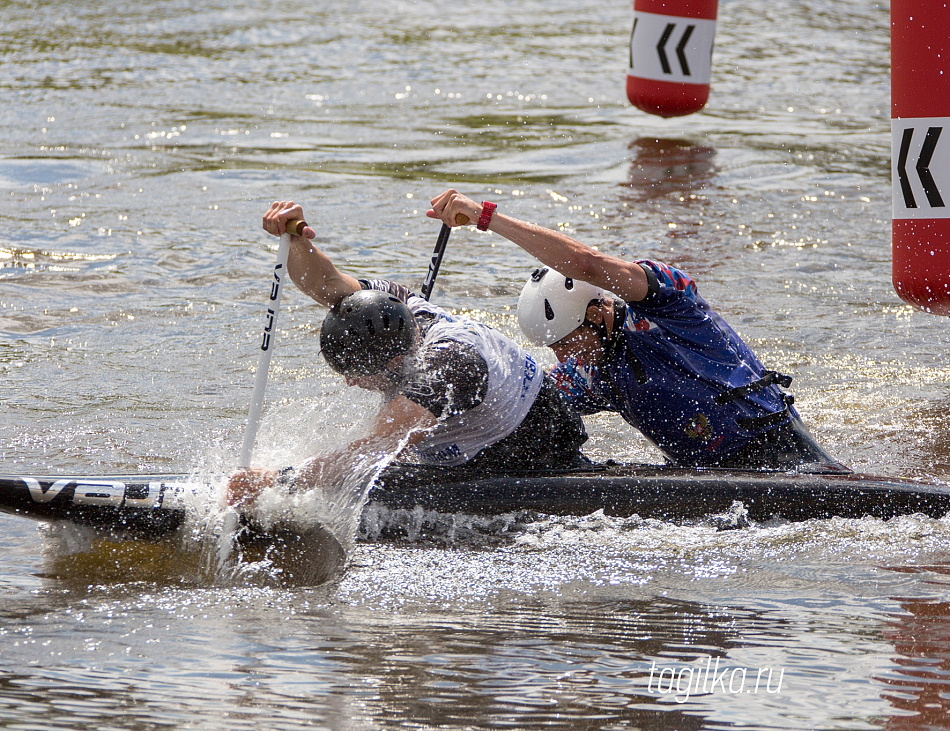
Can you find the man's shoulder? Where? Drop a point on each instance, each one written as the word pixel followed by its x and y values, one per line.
pixel 397 290
pixel 446 374
pixel 669 276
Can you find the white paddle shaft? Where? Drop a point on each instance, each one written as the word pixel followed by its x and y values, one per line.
pixel 267 343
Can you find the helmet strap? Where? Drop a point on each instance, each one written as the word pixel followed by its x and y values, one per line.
pixel 599 328
pixel 395 373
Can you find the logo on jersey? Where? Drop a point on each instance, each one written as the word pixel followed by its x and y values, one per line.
pixel 699 428
pixel 452 451
pixel 530 371
pixel 574 378
pixel 639 324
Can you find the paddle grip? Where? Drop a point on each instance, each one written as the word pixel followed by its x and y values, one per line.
pixel 296 226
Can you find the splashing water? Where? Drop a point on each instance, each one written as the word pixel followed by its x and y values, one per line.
pixel 286 538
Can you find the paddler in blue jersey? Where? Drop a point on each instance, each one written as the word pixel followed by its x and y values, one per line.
pixel 456 392
pixel 652 351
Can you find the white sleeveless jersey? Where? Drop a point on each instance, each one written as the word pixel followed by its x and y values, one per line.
pixel 514 381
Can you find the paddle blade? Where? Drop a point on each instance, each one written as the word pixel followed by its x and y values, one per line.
pixel 294 556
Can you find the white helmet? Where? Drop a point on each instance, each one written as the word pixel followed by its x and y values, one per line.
pixel 552 306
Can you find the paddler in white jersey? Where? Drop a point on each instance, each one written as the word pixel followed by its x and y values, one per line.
pixel 455 391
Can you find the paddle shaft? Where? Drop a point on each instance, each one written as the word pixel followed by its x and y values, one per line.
pixel 267 341
pixel 436 261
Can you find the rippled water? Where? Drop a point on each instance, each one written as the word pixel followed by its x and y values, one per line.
pixel 140 144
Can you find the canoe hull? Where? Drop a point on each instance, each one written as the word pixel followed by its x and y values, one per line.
pixel 153 505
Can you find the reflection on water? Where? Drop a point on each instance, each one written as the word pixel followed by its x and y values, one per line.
pixel 675 168
pixel 670 178
pixel 931 438
pixel 920 632
pixel 505 668
pixel 567 622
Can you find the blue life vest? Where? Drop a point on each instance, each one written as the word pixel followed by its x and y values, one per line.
pixel 675 370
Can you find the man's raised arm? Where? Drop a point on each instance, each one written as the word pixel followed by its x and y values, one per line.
pixel 552 248
pixel 310 269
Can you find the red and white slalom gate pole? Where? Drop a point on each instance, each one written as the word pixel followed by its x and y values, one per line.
pixel 671 45
pixel 920 152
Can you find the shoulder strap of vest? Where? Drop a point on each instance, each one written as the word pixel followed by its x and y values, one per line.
pixel 615 342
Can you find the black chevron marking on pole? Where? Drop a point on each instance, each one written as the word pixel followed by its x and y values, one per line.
pixel 923 168
pixel 680 49
pixel 660 47
pixel 632 31
pixel 906 190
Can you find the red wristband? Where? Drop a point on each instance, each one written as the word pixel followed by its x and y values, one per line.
pixel 485 218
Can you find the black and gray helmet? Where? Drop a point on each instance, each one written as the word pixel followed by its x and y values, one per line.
pixel 364 331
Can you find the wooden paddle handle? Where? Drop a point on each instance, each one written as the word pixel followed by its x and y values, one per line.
pixel 461 219
pixel 296 226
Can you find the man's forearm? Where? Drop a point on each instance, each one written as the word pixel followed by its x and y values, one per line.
pixel 552 248
pixel 316 276
pixel 573 259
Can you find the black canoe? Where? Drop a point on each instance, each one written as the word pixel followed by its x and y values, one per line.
pixel 153 505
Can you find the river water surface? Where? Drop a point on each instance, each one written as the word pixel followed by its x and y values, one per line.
pixel 139 145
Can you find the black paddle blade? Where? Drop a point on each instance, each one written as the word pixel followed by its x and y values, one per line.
pixel 436 261
pixel 295 556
